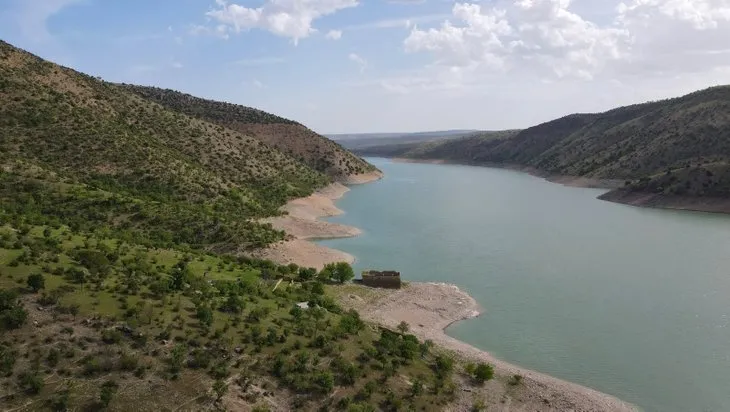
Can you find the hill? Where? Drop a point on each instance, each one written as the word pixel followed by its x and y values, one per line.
pixel 673 147
pixel 456 149
pixel 91 154
pixel 287 136
pixel 363 140
pixel 117 288
pixel 121 283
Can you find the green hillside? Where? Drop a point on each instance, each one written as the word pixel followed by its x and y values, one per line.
pixel 121 286
pixel 90 154
pixel 674 146
pixel 312 149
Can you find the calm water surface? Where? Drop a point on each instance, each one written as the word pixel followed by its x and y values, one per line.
pixel 633 302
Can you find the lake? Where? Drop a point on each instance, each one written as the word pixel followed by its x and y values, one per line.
pixel 633 302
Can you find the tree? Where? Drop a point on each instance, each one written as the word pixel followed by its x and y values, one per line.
pixel 444 366
pixel 296 312
pixel 417 387
pixel 14 317
pixel 205 315
pixel 36 282
pixel 343 272
pixel 325 382
pixel 403 327
pixel 307 273
pixel 31 382
pixel 220 387
pixel 177 356
pixel 234 304
pixel 108 390
pixel 483 372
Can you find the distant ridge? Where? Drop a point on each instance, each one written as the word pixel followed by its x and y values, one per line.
pixel 673 147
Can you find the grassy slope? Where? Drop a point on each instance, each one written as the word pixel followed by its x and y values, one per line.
pixel 112 323
pixel 125 209
pixel 318 152
pixel 676 146
pixel 82 146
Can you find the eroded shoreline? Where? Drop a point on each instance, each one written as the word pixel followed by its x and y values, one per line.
pixel 301 222
pixel 429 308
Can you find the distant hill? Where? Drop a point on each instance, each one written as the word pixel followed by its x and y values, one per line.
pixel 292 138
pixel 672 147
pixel 84 152
pixel 456 148
pixel 362 140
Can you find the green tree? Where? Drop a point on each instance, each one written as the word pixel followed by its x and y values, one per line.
pixel 343 272
pixel 177 357
pixel 204 315
pixel 220 387
pixel 444 366
pixel 36 282
pixel 108 390
pixel 325 382
pixel 483 372
pixel 31 382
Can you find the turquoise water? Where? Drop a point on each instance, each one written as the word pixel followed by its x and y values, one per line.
pixel 633 302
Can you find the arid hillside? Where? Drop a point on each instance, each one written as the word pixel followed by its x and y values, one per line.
pixel 292 138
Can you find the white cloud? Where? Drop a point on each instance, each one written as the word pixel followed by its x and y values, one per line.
pixel 701 14
pixel 286 18
pixel 220 30
pixel 334 34
pixel 522 34
pixel 362 63
pixel 177 65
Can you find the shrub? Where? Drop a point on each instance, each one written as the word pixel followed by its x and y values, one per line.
pixel 36 282
pixel 31 383
pixel 483 372
pixel 108 390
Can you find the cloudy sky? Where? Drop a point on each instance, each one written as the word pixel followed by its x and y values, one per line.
pixel 391 65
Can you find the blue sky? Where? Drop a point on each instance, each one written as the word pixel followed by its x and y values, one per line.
pixel 390 65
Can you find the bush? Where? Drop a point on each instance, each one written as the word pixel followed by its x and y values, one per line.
pixel 31 383
pixel 36 282
pixel 483 372
pixel 108 390
pixel 515 380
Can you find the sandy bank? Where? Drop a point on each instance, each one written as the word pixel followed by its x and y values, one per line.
pixel 301 222
pixel 431 307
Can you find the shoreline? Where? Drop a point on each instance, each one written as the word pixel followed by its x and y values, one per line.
pixel 302 224
pixel 573 181
pixel 430 308
pixel 615 194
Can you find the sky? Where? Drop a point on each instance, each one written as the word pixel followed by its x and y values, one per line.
pixel 356 66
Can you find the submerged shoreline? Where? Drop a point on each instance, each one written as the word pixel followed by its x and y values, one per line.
pixel 429 308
